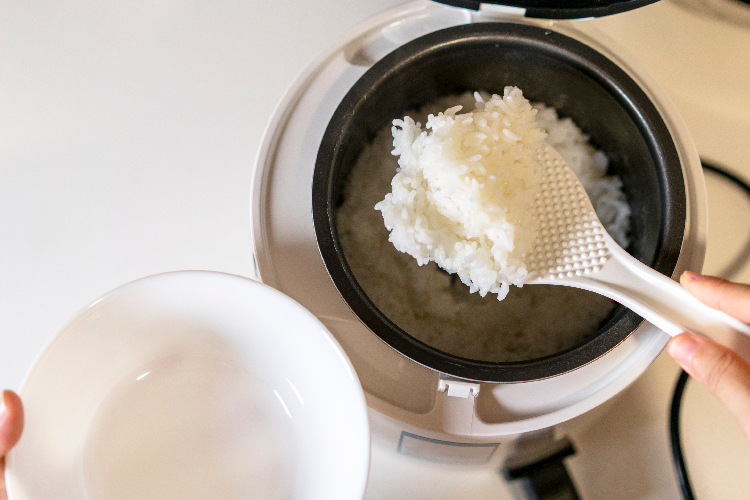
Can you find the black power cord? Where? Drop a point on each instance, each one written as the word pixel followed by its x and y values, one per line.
pixel 741 259
pixel 680 469
pixel 674 412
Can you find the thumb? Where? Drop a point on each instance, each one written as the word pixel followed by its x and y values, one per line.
pixel 719 369
pixel 11 421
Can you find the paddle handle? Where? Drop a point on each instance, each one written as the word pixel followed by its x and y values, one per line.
pixel 659 300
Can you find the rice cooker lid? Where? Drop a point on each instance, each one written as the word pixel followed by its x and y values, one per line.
pixel 558 9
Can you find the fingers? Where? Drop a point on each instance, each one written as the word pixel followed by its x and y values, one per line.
pixel 732 298
pixel 719 369
pixel 11 421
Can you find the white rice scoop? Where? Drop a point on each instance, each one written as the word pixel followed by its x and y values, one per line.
pixel 574 249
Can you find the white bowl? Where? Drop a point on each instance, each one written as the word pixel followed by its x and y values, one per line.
pixel 192 385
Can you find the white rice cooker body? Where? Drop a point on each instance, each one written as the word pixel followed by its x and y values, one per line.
pixel 413 409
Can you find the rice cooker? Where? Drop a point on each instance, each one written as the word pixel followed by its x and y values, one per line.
pixel 422 402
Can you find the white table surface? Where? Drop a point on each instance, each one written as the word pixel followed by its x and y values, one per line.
pixel 128 133
pixel 127 141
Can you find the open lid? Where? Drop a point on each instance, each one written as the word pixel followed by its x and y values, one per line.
pixel 558 9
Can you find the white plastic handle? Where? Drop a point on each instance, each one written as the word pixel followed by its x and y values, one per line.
pixel 659 300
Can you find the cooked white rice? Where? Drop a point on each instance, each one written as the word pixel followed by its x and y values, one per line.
pixel 431 305
pixel 462 193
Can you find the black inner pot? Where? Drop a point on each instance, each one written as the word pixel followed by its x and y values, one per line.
pixel 548 67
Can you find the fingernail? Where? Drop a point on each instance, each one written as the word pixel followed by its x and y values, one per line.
pixel 682 348
pixel 691 276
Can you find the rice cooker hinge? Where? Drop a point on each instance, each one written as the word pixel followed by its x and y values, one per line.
pixel 552 9
pixel 485 7
pixel 464 4
pixel 457 388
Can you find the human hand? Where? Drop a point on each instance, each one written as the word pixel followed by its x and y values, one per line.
pixel 11 426
pixel 718 368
